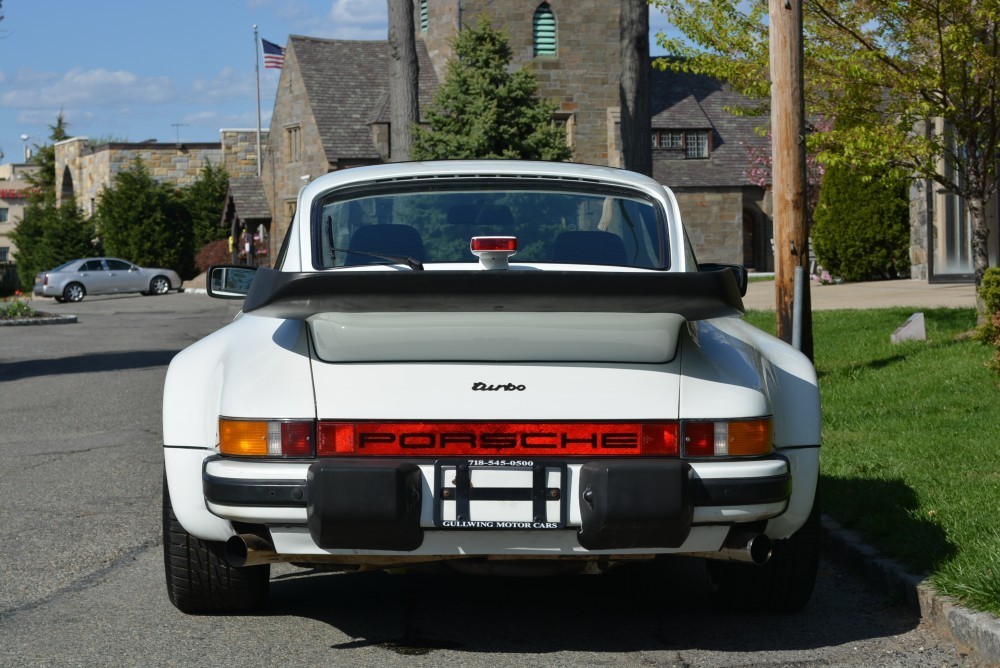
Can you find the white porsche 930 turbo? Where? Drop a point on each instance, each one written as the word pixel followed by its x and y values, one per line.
pixel 492 366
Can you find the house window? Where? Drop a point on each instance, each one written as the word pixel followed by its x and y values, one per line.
pixel 4 254
pixel 683 143
pixel 3 214
pixel 423 16
pixel 293 144
pixel 565 122
pixel 545 31
pixel 696 144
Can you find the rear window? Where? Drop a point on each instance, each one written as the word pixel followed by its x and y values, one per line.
pixel 552 224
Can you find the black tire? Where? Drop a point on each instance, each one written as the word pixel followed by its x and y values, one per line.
pixel 160 285
pixel 199 579
pixel 784 584
pixel 74 292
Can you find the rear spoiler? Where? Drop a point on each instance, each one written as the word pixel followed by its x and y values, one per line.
pixel 298 296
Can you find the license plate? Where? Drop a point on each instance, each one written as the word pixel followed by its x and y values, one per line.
pixel 500 494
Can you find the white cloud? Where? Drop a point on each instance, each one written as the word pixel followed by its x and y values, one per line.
pixel 346 19
pixel 98 88
pixel 230 83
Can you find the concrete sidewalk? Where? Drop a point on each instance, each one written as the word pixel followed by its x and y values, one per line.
pixel 875 294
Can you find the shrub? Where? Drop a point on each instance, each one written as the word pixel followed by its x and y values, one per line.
pixel 989 331
pixel 215 252
pixel 862 225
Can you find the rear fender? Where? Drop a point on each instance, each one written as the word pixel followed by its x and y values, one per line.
pixel 253 368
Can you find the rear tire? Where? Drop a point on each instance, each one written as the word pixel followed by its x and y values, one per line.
pixel 74 292
pixel 160 285
pixel 199 579
pixel 784 584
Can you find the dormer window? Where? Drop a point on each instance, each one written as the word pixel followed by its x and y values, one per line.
pixel 682 143
pixel 544 31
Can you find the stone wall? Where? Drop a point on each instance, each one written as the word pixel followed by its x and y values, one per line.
pixel 582 78
pixel 714 221
pixel 239 151
pixel 83 171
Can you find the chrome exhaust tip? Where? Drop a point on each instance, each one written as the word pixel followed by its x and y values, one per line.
pixel 248 549
pixel 751 549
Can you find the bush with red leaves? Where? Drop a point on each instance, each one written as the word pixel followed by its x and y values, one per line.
pixel 215 252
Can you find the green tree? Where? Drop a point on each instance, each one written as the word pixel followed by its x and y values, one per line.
pixel 146 222
pixel 482 110
pixel 862 225
pixel 48 234
pixel 205 199
pixel 886 68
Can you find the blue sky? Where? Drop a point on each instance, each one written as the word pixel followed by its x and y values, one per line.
pixel 136 70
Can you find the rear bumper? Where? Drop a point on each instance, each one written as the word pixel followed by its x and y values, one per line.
pixel 397 505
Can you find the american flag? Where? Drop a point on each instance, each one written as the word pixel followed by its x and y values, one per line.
pixel 274 55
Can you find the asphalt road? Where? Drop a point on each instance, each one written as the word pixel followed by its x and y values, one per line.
pixel 81 580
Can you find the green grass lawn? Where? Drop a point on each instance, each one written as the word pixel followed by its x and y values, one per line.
pixel 911 443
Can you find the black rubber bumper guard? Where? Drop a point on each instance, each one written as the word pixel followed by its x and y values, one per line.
pixel 375 504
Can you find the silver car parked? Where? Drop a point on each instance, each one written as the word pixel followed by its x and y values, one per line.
pixel 72 280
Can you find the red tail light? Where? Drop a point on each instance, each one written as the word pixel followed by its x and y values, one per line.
pixel 728 438
pixel 530 439
pixel 265 438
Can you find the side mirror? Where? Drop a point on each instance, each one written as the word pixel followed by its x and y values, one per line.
pixel 742 276
pixel 229 281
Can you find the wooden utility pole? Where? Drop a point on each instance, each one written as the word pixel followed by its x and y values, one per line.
pixel 788 173
pixel 633 25
pixel 404 110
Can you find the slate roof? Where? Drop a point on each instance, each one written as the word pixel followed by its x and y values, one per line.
pixel 346 82
pixel 248 199
pixel 681 101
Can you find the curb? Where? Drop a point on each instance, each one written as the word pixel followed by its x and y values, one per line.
pixel 45 320
pixel 977 631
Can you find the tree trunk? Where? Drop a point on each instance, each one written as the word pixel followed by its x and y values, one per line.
pixel 637 152
pixel 404 110
pixel 980 248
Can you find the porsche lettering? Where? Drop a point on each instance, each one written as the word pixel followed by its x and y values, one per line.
pixel 497 441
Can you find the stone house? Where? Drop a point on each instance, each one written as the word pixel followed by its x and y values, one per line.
pixel 331 112
pixel 14 189
pixel 84 170
pixel 941 232
pixel 702 151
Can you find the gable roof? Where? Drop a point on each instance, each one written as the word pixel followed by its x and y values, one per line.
pixel 347 82
pixel 246 200
pixel 684 101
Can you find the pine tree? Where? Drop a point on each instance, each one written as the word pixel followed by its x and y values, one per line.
pixel 146 222
pixel 205 199
pixel 48 234
pixel 482 110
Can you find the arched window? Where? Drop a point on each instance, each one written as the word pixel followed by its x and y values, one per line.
pixel 423 16
pixel 545 30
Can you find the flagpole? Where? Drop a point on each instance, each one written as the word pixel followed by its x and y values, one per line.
pixel 256 67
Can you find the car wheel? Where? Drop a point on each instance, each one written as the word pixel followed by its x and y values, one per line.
pixel 199 579
pixel 159 286
pixel 74 292
pixel 783 584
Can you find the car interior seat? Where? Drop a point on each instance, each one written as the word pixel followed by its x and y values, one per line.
pixel 390 239
pixel 590 247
